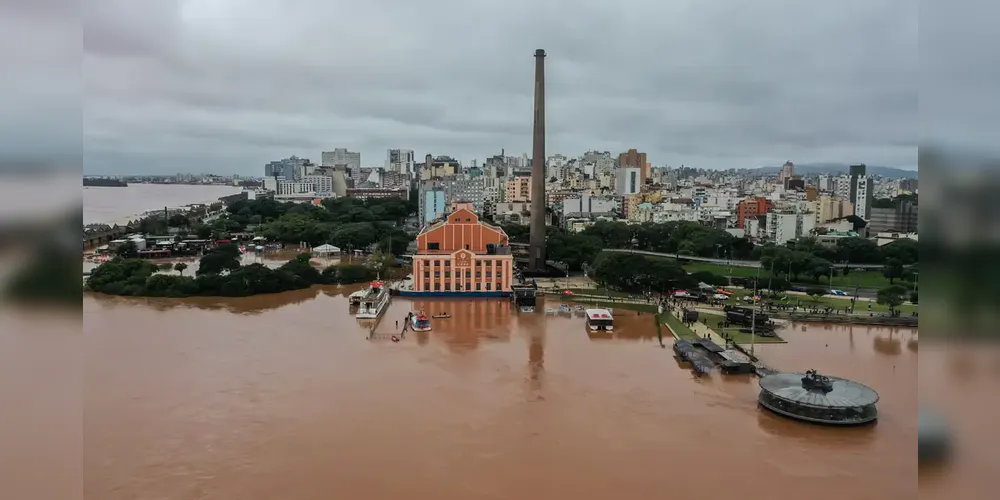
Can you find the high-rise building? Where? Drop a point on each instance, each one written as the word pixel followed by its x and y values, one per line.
pixel 341 157
pixel 782 227
pixel 431 203
pixel 437 167
pixel 828 208
pixel 635 159
pixel 292 168
pixel 399 160
pixel 628 180
pixel 518 189
pixel 750 208
pixel 787 171
pixel 902 217
pixel 862 191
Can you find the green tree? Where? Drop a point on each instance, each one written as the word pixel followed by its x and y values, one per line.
pixel 892 269
pixel 611 234
pixel 178 220
pixel 381 262
pixel 121 276
pixel 202 231
pixel 858 250
pixel 913 297
pixel 354 235
pixel 815 292
pixel 180 267
pixel 904 250
pixel 574 249
pixel 892 296
pixel 516 233
pixel 223 258
pixel 127 249
pixel 301 267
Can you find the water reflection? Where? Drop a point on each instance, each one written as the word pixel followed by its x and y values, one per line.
pixel 256 304
pixel 471 321
pixel 888 345
pixel 536 365
pixel 816 435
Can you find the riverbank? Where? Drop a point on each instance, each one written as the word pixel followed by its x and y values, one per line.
pixel 849 319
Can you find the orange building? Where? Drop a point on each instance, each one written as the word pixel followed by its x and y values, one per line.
pixel 462 256
pixel 750 208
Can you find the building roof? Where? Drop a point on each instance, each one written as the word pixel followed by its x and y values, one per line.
pixel 845 393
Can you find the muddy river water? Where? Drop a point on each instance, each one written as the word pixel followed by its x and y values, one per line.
pixel 282 397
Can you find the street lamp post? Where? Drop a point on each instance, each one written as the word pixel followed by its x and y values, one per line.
pixel 753 314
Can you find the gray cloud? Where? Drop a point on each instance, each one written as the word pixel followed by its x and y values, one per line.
pixel 227 85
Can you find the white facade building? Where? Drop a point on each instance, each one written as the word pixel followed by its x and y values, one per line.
pixel 863 196
pixel 784 227
pixel 323 183
pixel 627 181
pixel 587 204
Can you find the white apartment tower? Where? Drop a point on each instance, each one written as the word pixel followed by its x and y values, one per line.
pixel 627 181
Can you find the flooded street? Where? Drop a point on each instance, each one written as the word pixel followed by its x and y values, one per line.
pixel 281 396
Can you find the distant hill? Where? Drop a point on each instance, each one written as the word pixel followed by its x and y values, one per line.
pixel 841 168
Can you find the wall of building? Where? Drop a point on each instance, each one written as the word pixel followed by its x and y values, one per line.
pixel 454 256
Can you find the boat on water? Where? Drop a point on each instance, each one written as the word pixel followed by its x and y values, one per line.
pixel 580 310
pixel 600 319
pixel 564 309
pixel 441 316
pixel 371 302
pixel 527 309
pixel 551 310
pixel 419 322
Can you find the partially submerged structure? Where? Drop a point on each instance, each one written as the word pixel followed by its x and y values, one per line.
pixel 816 398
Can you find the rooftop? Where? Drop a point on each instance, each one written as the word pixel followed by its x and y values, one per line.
pixel 842 393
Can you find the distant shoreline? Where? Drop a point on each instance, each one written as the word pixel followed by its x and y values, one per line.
pixel 103 182
pixel 122 219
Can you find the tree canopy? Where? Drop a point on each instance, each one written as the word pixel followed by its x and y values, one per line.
pixel 139 277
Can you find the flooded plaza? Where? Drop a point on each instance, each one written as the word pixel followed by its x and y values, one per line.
pixel 281 396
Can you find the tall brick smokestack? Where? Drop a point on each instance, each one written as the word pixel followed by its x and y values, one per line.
pixel 536 240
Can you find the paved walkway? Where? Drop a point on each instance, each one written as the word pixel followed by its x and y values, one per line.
pixel 701 330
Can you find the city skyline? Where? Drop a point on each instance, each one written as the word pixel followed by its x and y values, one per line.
pixel 729 96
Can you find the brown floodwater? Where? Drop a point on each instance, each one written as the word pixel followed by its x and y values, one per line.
pixel 282 397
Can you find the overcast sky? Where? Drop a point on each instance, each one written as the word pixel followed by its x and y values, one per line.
pixel 224 86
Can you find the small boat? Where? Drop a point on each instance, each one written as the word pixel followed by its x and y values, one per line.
pixel 395 338
pixel 579 309
pixel 527 309
pixel 551 310
pixel 564 309
pixel 372 302
pixel 441 316
pixel 420 323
